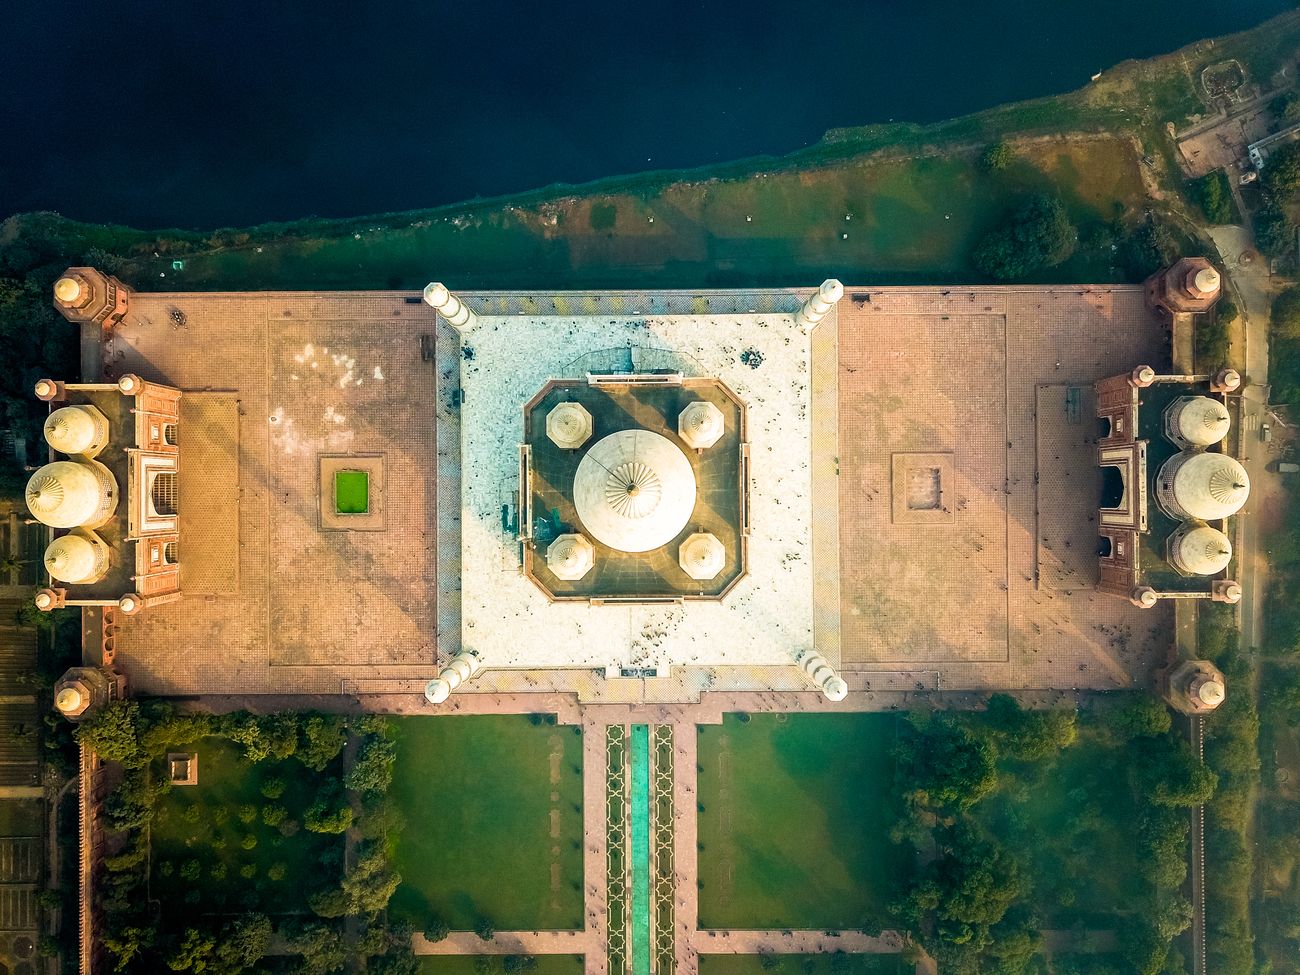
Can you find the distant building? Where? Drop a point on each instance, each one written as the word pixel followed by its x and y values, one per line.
pixel 1260 151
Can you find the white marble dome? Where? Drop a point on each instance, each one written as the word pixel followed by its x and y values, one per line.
pixel 701 425
pixel 570 557
pixel 76 558
pixel 634 491
pixel 70 493
pixel 1200 550
pixel 702 556
pixel 568 425
pixel 1197 421
pixel 79 429
pixel 1204 486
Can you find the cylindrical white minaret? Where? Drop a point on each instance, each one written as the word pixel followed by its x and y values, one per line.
pixel 819 305
pixel 461 668
pixel 446 304
pixel 821 673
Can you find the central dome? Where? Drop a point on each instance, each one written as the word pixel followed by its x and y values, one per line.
pixel 634 491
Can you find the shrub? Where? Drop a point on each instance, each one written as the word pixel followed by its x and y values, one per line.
pixel 273 788
pixel 1214 196
pixel 249 842
pixel 248 814
pixel 274 815
pixel 248 871
pixel 276 871
pixel 997 157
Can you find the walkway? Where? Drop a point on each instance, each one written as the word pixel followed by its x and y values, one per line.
pixel 797 942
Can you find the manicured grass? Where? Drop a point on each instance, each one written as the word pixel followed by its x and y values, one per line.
pixel 493 808
pixel 1074 827
pixel 202 824
pixel 22 817
pixel 794 830
pixel 838 963
pixel 910 220
pixel 351 492
pixel 465 965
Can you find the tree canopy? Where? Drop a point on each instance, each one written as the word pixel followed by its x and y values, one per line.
pixel 1036 235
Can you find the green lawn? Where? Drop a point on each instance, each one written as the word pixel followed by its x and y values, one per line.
pixel 1074 828
pixel 22 817
pixel 493 808
pixel 833 964
pixel 202 824
pixel 465 965
pixel 794 828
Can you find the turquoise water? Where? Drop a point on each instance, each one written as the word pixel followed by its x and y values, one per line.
pixel 640 849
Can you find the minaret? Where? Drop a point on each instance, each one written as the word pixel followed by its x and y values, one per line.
pixel 459 669
pixel 819 305
pixel 440 299
pixel 821 673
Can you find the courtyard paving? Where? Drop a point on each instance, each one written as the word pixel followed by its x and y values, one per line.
pixel 989 582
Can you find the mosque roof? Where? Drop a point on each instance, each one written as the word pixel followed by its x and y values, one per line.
pixel 634 490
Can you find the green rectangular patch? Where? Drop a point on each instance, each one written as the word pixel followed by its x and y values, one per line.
pixel 351 492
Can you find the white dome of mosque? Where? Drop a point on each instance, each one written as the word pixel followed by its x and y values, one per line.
pixel 568 425
pixel 1206 486
pixel 700 424
pixel 76 558
pixel 634 491
pixel 1198 420
pixel 570 557
pixel 1200 550
pixel 76 430
pixel 702 556
pixel 70 493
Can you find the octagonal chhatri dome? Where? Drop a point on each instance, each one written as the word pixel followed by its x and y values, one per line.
pixel 634 491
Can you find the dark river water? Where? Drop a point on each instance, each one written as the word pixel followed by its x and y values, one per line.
pixel 211 113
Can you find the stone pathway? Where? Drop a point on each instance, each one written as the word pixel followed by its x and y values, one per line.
pixel 797 942
pixel 512 943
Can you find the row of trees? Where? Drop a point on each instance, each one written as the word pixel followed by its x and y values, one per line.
pixel 972 905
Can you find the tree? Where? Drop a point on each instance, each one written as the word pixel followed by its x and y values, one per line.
pixel 1274 231
pixel 321 948
pixel 485 929
pixel 366 889
pixel 1170 774
pixel 1037 235
pixel 1282 171
pixel 111 732
pixel 1029 736
pixel 1285 320
pixel 1142 716
pixel 193 951
pixel 330 813
pixel 945 765
pixel 436 930
pixel 997 157
pixel 373 771
pixel 128 943
pixel 323 737
pixel 242 945
pixel 1147 249
pixel 1287 107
